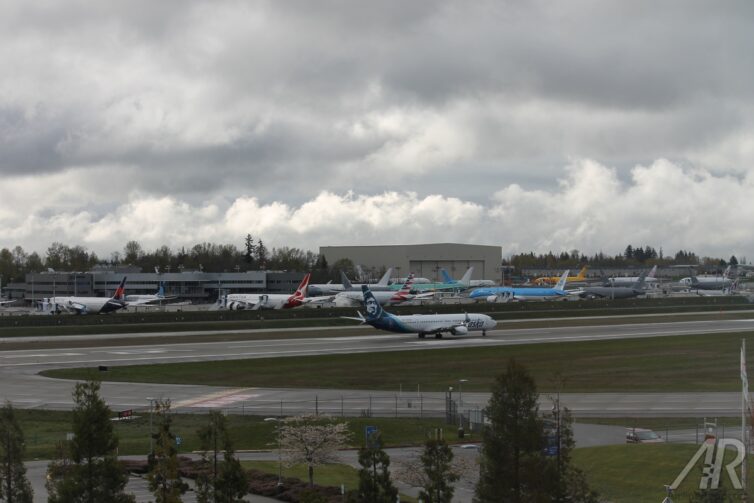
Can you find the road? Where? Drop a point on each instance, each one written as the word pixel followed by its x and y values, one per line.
pixel 24 388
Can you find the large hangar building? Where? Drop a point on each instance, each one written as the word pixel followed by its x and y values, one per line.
pixel 424 260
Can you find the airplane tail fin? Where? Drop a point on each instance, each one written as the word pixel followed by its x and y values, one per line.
pixel 560 285
pixel 639 285
pixel 120 292
pixel 466 279
pixel 300 293
pixel 373 307
pixel 652 272
pixel 446 277
pixel 345 281
pixel 385 279
pixel 582 273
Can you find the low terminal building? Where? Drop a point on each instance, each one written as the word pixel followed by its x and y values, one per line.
pixel 194 286
pixel 424 260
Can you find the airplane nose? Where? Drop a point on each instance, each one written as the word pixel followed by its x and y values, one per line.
pixel 490 323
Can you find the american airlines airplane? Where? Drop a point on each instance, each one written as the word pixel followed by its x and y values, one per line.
pixel 387 298
pixel 323 289
pixel 422 324
pixel 85 305
pixel 256 301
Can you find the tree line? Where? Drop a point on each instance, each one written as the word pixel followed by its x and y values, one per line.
pixel 254 255
pixel 632 256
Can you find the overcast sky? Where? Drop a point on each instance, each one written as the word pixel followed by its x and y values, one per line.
pixel 531 125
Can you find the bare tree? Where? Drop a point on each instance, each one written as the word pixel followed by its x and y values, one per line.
pixel 312 440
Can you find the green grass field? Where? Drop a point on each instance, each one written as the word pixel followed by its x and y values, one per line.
pixel 44 429
pixel 638 473
pixel 678 363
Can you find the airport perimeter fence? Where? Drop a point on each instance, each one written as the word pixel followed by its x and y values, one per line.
pixel 387 405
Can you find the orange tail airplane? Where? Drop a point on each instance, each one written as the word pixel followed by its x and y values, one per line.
pixel 549 280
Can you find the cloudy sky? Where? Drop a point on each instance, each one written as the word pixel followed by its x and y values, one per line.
pixel 531 125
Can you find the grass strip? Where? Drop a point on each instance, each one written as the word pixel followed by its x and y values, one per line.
pixel 705 362
pixel 44 429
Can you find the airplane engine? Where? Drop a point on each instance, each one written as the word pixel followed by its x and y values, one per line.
pixel 459 330
pixel 492 298
pixel 233 305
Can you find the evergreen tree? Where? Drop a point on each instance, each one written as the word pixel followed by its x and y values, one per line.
pixel 250 250
pixel 375 485
pixel 437 461
pixel 164 480
pixel 94 474
pixel 14 486
pixel 512 463
pixel 569 482
pixel 261 254
pixel 224 481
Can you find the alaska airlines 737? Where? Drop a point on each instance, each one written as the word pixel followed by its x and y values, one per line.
pixel 422 324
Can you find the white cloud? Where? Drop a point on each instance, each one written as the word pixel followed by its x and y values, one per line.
pixel 591 209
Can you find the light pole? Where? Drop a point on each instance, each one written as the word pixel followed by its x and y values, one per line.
pixel 151 439
pixel 280 455
pixel 460 391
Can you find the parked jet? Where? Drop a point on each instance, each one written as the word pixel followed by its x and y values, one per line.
pixel 452 285
pixel 144 300
pixel 422 324
pixel 388 298
pixel 613 292
pixel 508 293
pixel 256 301
pixel 650 279
pixel 473 283
pixel 708 282
pixel 86 305
pixel 331 288
pixel 549 280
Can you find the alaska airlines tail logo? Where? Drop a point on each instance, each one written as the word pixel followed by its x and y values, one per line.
pixel 373 308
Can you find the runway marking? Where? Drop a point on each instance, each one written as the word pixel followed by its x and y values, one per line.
pixel 217 399
pixel 41 355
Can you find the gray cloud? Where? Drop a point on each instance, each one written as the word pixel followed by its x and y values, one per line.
pixel 223 100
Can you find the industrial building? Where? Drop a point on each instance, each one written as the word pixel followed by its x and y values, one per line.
pixel 195 286
pixel 424 260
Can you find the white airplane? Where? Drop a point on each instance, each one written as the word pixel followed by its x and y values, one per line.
pixel 649 280
pixel 709 282
pixel 85 305
pixel 422 324
pixel 323 289
pixel 145 300
pixel 387 298
pixel 256 301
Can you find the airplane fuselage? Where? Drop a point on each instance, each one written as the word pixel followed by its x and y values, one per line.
pixel 435 323
pixel 86 305
pixel 519 293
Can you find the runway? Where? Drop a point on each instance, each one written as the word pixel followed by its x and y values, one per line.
pixel 21 385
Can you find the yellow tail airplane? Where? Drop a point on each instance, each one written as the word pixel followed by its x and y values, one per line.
pixel 548 280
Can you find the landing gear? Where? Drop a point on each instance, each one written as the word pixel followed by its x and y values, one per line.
pixel 438 336
pixel 484 333
pixel 422 335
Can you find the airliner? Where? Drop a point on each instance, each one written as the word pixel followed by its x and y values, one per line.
pixel 508 293
pixel 86 305
pixel 144 300
pixel 630 280
pixel 708 282
pixel 422 324
pixel 389 298
pixel 448 285
pixel 330 288
pixel 256 301
pixel 548 280
pixel 473 283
